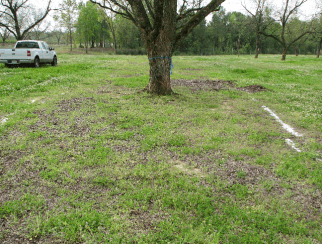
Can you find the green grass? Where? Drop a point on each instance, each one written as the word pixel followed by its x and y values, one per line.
pixel 86 157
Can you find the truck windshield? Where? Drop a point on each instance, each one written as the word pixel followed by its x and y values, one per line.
pixel 27 45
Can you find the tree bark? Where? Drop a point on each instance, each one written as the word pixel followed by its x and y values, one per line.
pixel 71 41
pixel 319 48
pixel 284 53
pixel 159 82
pixel 296 52
pixel 256 52
pixel 257 45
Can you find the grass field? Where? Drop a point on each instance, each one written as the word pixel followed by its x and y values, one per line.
pixel 85 157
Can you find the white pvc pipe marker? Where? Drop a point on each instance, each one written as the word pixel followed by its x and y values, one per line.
pixel 285 126
pixel 291 143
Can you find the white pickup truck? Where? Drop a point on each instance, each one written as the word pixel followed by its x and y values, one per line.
pixel 28 52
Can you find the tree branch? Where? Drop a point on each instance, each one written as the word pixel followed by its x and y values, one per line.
pixel 298 38
pixel 39 20
pixel 149 6
pixel 128 15
pixel 272 36
pixel 197 18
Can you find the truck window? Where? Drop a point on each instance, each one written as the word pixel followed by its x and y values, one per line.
pixel 28 45
pixel 45 45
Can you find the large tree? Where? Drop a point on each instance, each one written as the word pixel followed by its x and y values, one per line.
pixel 282 33
pixel 19 17
pixel 162 23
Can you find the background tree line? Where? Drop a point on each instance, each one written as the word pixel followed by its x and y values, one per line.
pixel 86 25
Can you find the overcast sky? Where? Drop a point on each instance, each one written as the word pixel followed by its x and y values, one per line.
pixel 307 8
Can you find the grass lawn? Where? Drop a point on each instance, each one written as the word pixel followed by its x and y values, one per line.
pixel 85 157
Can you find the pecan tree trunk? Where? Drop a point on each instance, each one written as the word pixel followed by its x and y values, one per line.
pixel 160 45
pixel 159 82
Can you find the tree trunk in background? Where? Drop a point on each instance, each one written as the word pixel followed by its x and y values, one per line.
pixel 319 49
pixel 101 41
pixel 5 35
pixel 256 52
pixel 238 45
pixel 71 41
pixel 257 46
pixel 284 53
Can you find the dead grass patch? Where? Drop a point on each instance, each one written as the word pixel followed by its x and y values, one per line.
pixel 74 104
pixel 145 221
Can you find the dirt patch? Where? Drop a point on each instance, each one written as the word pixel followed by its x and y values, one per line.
pixel 217 85
pixel 243 173
pixel 73 104
pixel 252 88
pixel 145 221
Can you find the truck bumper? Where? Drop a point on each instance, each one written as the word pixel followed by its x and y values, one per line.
pixel 16 61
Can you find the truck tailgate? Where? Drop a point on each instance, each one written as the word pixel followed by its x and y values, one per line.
pixel 15 56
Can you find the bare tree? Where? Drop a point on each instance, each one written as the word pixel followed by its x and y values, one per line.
pixel 259 20
pixel 280 32
pixel 4 33
pixel 162 23
pixel 17 18
pixel 39 31
pixel 67 17
pixel 58 33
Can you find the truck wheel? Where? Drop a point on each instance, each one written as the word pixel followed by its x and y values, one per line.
pixel 36 63
pixel 54 62
pixel 8 65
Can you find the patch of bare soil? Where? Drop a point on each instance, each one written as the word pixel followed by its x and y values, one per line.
pixel 73 104
pixel 252 88
pixel 14 232
pixel 217 85
pixel 145 221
